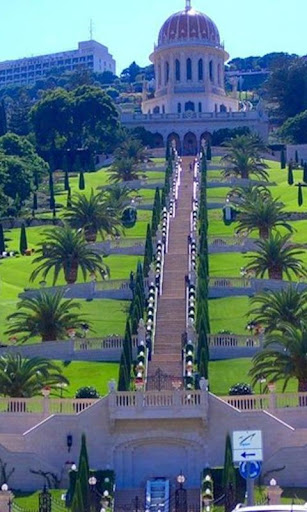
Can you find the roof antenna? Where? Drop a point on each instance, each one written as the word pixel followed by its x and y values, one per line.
pixel 188 6
pixel 91 30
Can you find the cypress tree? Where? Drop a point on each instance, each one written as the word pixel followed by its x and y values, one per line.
pixel 282 159
pixel 127 348
pixel 34 207
pixel 229 477
pixel 73 477
pixel 305 173
pixel 123 376
pixel 157 204
pixel 68 200
pixel 209 150
pixel 204 163
pixel 78 166
pixel 91 163
pixel 203 364
pixel 66 181
pixel 3 121
pixel 81 181
pixel 290 174
pixel 83 476
pixel 23 245
pixel 296 157
pixel 163 198
pixel 167 152
pixel 300 195
pixel 83 453
pixel 134 317
pixel 77 501
pixel 140 280
pixel 2 240
pixel 36 180
pixel 51 199
pixel 148 254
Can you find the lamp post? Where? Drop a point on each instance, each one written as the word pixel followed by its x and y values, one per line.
pixel 44 501
pixel 6 499
pixel 104 499
pixel 181 504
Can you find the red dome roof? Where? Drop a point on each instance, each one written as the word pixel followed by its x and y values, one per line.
pixel 189 25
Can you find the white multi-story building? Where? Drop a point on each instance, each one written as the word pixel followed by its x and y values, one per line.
pixel 90 55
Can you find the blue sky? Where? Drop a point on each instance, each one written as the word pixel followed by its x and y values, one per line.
pixel 130 28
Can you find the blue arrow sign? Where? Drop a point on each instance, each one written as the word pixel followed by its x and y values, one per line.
pixel 250 469
pixel 246 455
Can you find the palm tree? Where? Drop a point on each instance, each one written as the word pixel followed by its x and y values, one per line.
pixel 276 256
pixel 286 361
pixel 243 159
pixel 272 308
pixel 245 195
pixel 264 214
pixel 123 169
pixel 46 315
pixel 24 378
pixel 92 215
pixel 131 148
pixel 118 198
pixel 67 250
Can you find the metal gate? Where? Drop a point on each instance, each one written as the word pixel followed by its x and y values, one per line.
pixel 164 382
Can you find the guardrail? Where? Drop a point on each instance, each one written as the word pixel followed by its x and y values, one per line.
pixel 229 282
pixel 111 284
pixel 226 240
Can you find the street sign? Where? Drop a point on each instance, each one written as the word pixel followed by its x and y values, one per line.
pixel 250 469
pixel 247 445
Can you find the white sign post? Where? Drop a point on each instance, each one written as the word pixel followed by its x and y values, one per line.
pixel 247 447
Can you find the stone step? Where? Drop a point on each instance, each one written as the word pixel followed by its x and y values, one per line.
pixel 160 358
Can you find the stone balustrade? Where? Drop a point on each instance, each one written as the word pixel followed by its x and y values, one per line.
pixel 111 342
pixel 229 282
pixel 44 405
pixel 158 404
pixel 234 340
pixel 271 401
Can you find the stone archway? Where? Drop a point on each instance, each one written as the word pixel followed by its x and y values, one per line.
pixel 207 136
pixel 158 141
pixel 174 136
pixel 190 145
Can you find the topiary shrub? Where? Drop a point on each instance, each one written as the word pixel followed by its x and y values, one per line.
pixel 87 392
pixel 240 389
pixel 129 217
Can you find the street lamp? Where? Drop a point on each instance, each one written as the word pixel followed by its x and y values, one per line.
pixel 181 504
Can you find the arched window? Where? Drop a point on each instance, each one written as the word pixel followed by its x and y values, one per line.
pixel 189 106
pixel 156 110
pixel 166 73
pixel 223 108
pixel 211 71
pixel 219 74
pixel 189 69
pixel 200 70
pixel 200 107
pixel 177 70
pixel 179 108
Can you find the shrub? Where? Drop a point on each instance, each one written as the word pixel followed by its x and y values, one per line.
pixel 129 217
pixel 87 392
pixel 240 389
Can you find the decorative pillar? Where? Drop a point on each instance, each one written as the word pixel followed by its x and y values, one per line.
pixel 6 499
pixel 274 493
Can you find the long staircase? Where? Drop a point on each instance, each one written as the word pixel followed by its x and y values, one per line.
pixel 171 313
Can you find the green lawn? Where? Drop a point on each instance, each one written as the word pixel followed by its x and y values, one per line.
pixel 225 373
pixel 82 373
pixel 229 314
pixel 29 500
